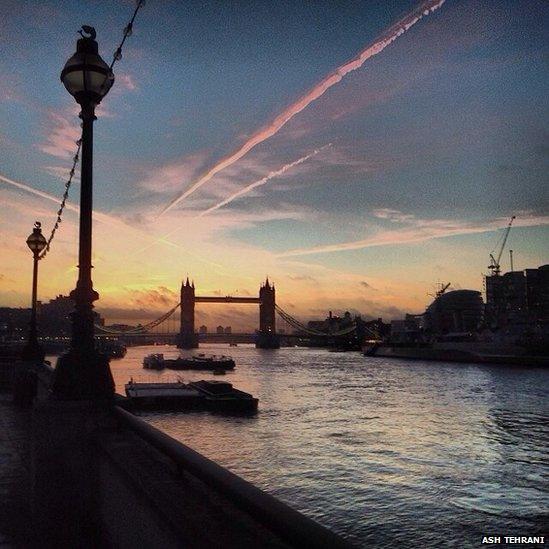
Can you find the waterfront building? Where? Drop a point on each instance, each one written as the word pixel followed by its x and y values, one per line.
pixel 407 330
pixel 14 323
pixel 332 323
pixel 456 311
pixel 518 297
pixel 53 319
pixel 203 329
pixel 537 292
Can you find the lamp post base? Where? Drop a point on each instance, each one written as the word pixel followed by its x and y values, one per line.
pixel 83 375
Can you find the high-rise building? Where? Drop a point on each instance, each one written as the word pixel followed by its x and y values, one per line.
pixel 537 292
pixel 518 296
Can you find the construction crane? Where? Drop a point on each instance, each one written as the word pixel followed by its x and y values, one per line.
pixel 494 261
pixel 441 289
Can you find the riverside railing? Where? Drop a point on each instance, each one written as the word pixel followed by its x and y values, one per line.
pixel 291 526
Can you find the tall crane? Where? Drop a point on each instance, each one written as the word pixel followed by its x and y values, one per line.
pixel 494 261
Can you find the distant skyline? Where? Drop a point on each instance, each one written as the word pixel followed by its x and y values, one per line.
pixel 397 176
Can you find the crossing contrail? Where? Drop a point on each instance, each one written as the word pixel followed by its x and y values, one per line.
pixel 104 218
pixel 389 36
pixel 99 216
pixel 263 180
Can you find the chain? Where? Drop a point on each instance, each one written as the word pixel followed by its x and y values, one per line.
pixel 128 29
pixel 63 200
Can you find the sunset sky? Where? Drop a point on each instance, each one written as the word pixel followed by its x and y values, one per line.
pixel 401 174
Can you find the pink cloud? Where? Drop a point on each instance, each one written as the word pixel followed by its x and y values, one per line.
pixel 125 81
pixel 63 132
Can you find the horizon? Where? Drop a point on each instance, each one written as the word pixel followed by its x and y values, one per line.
pixel 400 173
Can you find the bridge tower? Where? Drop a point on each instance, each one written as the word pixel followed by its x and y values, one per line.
pixel 187 337
pixel 266 336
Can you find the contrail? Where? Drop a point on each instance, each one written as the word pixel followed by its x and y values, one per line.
pixel 263 180
pixel 104 218
pixel 389 36
pixel 36 192
pixel 417 234
pixel 98 216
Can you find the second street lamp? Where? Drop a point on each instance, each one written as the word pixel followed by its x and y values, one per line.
pixel 83 373
pixel 36 242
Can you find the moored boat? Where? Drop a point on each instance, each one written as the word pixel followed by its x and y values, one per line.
pixel 197 362
pixel 222 396
pixel 201 362
pixel 154 362
pixel 471 352
pixel 171 395
pixel 199 395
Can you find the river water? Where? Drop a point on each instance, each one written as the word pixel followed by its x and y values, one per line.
pixel 386 452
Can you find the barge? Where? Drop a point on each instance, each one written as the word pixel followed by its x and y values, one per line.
pixel 219 396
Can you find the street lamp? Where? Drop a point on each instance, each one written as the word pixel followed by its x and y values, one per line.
pixel 83 373
pixel 36 242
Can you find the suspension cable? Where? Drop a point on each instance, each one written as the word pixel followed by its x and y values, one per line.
pixel 140 329
pixel 128 29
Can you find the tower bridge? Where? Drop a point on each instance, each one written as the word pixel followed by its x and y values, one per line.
pixel 267 337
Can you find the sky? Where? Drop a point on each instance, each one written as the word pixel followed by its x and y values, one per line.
pixel 246 139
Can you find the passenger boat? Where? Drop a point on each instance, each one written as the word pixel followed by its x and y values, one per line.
pixel 198 395
pixel 196 362
pixel 201 362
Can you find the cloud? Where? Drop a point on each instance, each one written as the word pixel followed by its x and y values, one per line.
pixel 421 230
pixel 62 133
pixel 394 216
pixel 302 278
pixel 125 81
pixel 167 177
pixel 159 298
pixel 62 172
pixel 264 180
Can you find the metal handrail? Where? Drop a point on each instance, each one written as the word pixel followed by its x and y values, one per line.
pixel 291 526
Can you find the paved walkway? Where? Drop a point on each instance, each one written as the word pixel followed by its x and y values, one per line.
pixel 14 474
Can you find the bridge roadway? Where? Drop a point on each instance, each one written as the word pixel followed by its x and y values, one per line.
pixel 102 477
pixel 226 299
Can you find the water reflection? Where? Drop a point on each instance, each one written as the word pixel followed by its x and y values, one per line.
pixel 385 452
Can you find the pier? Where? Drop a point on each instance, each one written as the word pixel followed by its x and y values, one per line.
pixel 86 473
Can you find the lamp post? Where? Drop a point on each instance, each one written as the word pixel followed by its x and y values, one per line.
pixel 83 373
pixel 36 242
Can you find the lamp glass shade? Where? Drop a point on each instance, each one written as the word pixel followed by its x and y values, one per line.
pixel 85 75
pixel 36 241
